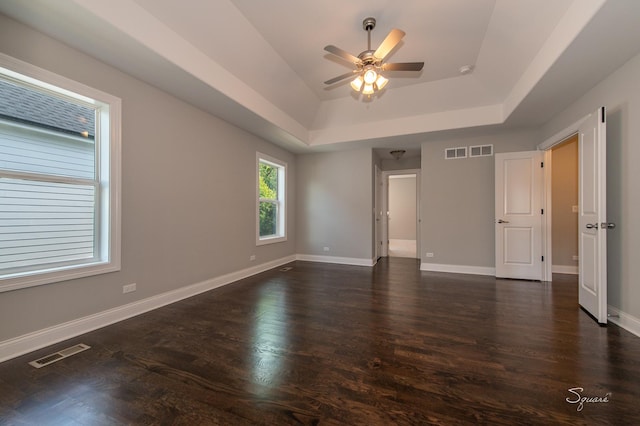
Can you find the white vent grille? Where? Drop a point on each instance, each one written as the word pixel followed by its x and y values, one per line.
pixel 452 153
pixel 481 151
pixel 57 356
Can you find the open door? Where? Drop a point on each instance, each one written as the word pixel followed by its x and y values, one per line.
pixel 518 215
pixel 592 222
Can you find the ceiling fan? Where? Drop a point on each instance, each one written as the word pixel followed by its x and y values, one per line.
pixel 370 63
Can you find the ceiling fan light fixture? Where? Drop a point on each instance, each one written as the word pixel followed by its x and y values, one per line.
pixel 398 153
pixel 368 89
pixel 357 82
pixel 370 75
pixel 381 82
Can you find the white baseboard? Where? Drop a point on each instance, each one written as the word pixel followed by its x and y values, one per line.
pixel 39 339
pixel 624 320
pixel 355 261
pixel 564 269
pixel 458 269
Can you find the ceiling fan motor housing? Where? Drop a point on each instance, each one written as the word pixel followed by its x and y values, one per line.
pixel 368 58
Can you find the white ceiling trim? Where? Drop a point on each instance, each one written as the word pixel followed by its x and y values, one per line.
pixel 446 120
pixel 571 24
pixel 133 20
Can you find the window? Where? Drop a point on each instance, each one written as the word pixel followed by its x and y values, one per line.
pixel 271 227
pixel 59 178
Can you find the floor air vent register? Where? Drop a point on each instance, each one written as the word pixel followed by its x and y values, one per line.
pixel 57 356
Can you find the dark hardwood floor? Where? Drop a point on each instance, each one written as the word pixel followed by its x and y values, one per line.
pixel 342 345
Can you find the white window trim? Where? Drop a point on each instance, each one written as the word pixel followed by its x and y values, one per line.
pixel 282 190
pixel 111 246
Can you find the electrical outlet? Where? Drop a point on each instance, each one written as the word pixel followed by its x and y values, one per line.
pixel 128 288
pixel 574 209
pixel 252 257
pixel 429 254
pixel 576 257
pixel 325 248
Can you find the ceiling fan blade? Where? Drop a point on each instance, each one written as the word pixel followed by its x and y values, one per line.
pixel 340 77
pixel 393 38
pixel 403 66
pixel 341 53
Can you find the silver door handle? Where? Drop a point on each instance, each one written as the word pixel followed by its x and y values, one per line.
pixel 608 225
pixel 502 221
pixel 592 226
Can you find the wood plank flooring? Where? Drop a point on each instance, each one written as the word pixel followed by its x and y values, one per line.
pixel 342 345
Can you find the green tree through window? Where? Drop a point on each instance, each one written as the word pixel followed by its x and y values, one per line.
pixel 271 227
pixel 268 200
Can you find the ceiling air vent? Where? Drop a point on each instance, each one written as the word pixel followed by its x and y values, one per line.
pixel 451 153
pixel 481 151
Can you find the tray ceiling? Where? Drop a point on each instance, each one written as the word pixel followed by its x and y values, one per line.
pixel 261 65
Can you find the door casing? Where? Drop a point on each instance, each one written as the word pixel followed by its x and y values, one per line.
pixel 385 208
pixel 558 138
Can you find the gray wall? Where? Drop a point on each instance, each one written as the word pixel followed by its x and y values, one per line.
pixel 182 220
pixel 335 204
pixel 564 195
pixel 405 163
pixel 457 199
pixel 620 93
pixel 402 207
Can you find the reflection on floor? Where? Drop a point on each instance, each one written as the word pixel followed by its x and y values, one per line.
pixel 402 248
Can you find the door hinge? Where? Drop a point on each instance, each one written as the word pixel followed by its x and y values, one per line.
pixel 604 114
pixel 543 258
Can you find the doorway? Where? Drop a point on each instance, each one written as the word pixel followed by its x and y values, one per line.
pixel 593 225
pixel 401 224
pixel 564 207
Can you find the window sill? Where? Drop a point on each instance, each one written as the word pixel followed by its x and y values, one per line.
pixel 271 240
pixel 37 278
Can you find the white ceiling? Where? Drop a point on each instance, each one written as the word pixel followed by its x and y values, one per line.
pixel 261 65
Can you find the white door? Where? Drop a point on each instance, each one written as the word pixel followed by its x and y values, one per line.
pixel 518 220
pixel 592 222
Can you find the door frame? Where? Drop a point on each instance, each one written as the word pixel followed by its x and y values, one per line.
pixel 546 146
pixel 385 208
pixel 377 212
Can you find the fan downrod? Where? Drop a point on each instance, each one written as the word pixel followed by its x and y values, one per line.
pixel 367 56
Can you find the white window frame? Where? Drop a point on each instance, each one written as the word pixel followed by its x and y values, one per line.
pixel 108 166
pixel 281 227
